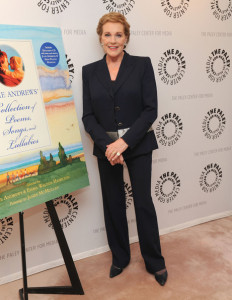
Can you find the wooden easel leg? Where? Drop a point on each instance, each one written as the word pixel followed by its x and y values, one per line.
pixel 71 269
pixel 76 287
pixel 23 292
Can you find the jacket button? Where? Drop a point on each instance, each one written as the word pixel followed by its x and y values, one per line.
pixel 120 124
pixel 116 108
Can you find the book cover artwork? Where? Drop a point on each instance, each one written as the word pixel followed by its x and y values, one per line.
pixel 41 153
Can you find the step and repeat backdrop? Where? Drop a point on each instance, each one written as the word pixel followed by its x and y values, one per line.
pixel 190 45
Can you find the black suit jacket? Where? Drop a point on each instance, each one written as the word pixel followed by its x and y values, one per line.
pixel 131 103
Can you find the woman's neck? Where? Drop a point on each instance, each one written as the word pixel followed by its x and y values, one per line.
pixel 114 60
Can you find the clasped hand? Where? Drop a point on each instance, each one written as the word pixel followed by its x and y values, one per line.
pixel 114 151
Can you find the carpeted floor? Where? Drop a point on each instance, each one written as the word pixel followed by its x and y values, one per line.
pixel 199 262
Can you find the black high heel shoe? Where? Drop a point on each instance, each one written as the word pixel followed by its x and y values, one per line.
pixel 115 271
pixel 161 277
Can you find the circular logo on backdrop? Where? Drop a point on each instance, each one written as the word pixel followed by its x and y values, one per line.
pixel 175 8
pixel 129 194
pixel 53 6
pixel 49 54
pixel 6 229
pixel 67 210
pixel 70 68
pixel 121 6
pixel 218 65
pixel 222 9
pixel 210 178
pixel 169 129
pixel 214 123
pixel 172 66
pixel 167 187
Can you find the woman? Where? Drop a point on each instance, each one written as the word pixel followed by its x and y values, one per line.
pixel 119 107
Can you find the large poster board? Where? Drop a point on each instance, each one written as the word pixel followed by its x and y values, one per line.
pixel 41 153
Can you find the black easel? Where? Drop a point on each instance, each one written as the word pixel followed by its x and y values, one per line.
pixel 75 288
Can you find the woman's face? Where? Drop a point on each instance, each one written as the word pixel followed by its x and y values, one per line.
pixel 5 64
pixel 113 39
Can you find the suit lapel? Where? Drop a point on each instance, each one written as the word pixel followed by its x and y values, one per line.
pixel 124 71
pixel 104 75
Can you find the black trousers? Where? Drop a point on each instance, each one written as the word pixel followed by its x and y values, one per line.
pixel 114 204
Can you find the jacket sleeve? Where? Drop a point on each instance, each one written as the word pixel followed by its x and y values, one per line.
pixel 95 130
pixel 149 113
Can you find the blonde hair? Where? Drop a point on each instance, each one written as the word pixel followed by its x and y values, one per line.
pixel 17 62
pixel 113 17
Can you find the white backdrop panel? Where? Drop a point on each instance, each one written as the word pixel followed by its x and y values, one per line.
pixel 184 192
